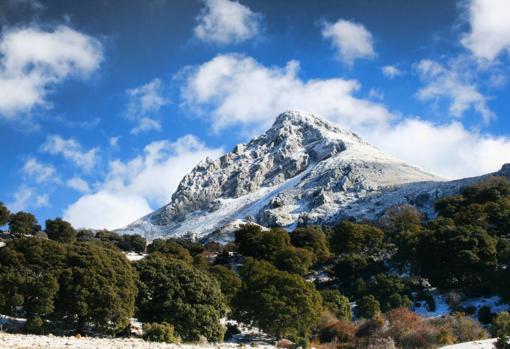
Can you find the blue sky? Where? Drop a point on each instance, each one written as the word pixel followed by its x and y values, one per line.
pixel 105 105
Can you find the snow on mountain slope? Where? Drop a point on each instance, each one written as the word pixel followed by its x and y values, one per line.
pixel 302 170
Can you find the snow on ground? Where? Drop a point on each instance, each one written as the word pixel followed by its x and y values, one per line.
pixel 480 344
pixel 133 256
pixel 20 341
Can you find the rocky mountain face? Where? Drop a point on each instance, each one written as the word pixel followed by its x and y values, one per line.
pixel 303 170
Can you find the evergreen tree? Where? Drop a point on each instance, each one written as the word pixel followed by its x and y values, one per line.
pixel 23 223
pixel 279 303
pixel 337 304
pixel 367 307
pixel 313 239
pixel 60 230
pixel 4 214
pixel 349 237
pixel 173 291
pixel 230 283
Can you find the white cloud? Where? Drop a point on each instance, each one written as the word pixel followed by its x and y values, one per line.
pixel 146 125
pixel 41 172
pixel 351 40
pixel 454 84
pixel 78 184
pixel 391 71
pixel 134 188
pixel 235 89
pixel 71 150
pixel 26 197
pixel 226 22
pixel 32 61
pixel 114 142
pixel 145 101
pixel 490 28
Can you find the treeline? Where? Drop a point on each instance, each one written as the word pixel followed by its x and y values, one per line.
pixel 350 285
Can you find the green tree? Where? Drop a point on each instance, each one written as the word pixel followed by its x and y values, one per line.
pixel 230 283
pixel 173 291
pixel 97 288
pixel 279 303
pixel 29 273
pixel 254 242
pixel 349 237
pixel 294 260
pixel 337 304
pixel 60 230
pixel 4 214
pixel 313 239
pixel 367 307
pixel 23 223
pixel 501 324
pixel 170 248
pixel 135 243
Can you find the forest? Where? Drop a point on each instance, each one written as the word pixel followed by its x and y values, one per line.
pixel 351 285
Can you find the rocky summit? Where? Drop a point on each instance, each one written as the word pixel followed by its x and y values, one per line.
pixel 303 170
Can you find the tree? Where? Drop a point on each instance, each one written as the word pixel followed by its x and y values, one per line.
pixel 279 303
pixel 170 248
pixel 97 288
pixel 60 230
pixel 29 273
pixel 313 239
pixel 4 214
pixel 294 260
pixel 173 291
pixel 23 223
pixel 388 289
pixel 135 243
pixel 367 307
pixel 349 237
pixel 501 324
pixel 456 256
pixel 261 244
pixel 230 283
pixel 337 304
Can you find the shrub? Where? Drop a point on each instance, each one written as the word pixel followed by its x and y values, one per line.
pixel 163 332
pixel 367 307
pixel 337 304
pixel 332 329
pixel 409 330
pixel 460 328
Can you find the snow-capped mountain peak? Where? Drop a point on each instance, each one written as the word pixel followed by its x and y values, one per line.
pixel 302 170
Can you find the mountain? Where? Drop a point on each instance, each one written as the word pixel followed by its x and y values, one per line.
pixel 303 170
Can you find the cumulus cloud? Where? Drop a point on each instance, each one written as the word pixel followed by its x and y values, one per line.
pixel 32 61
pixel 136 187
pixel 455 84
pixel 39 171
pixel 351 40
pixel 144 103
pixel 226 22
pixel 71 150
pixel 236 89
pixel 78 184
pixel 391 71
pixel 490 28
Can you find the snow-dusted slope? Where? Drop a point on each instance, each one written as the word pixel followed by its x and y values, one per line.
pixel 302 170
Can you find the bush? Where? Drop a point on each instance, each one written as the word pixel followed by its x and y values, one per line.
pixel 163 332
pixel 409 330
pixel 173 291
pixel 332 329
pixel 460 328
pixel 367 307
pixel 337 304
pixel 501 324
pixel 502 343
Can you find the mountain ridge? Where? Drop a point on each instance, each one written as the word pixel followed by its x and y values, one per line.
pixel 303 170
